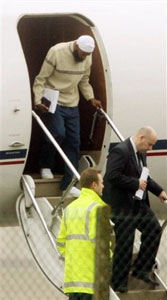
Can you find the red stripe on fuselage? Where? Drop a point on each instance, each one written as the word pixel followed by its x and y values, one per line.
pixel 157 153
pixel 12 162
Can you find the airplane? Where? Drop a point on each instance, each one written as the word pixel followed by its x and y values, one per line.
pixel 128 76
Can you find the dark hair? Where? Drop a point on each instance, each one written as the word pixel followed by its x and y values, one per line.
pixel 88 176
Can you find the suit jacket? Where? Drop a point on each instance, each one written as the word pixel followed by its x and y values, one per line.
pixel 121 180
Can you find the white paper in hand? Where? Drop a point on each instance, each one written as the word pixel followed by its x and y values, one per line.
pixel 144 176
pixel 52 96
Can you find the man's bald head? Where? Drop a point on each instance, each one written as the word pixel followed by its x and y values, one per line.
pixel 145 138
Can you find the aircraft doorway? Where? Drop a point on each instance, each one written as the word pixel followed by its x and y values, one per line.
pixel 37 34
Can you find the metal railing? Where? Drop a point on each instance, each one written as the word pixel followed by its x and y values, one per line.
pixel 65 158
pixel 119 135
pixel 56 145
pixel 34 202
pixel 58 148
pixel 105 115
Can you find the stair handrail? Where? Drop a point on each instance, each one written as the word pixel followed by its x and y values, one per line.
pixel 119 135
pixel 36 206
pixel 56 145
pixel 51 138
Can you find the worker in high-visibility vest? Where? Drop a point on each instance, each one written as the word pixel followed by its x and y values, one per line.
pixel 76 239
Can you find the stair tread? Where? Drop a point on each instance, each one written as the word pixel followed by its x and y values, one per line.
pixel 138 289
pixel 53 180
pixel 143 295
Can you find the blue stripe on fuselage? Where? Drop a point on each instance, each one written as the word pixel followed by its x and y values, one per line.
pixel 13 154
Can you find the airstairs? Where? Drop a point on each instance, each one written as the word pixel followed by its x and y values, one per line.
pixel 39 210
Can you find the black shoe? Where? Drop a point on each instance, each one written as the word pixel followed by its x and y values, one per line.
pixel 146 277
pixel 120 289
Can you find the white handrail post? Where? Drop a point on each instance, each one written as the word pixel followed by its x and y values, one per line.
pixel 112 125
pixel 34 202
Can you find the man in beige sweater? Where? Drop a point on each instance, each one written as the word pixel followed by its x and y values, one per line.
pixel 66 68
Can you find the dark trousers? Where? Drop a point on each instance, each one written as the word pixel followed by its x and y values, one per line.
pixel 64 125
pixel 80 296
pixel 125 225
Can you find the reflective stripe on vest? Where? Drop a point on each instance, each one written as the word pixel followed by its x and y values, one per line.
pixel 79 284
pixel 84 236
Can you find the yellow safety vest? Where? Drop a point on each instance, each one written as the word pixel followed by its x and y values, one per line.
pixel 76 242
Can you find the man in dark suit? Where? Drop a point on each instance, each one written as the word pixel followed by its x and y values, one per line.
pixel 121 181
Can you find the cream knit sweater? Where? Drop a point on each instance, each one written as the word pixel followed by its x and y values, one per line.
pixel 61 72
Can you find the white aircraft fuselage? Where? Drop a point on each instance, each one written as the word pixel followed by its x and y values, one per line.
pixel 128 76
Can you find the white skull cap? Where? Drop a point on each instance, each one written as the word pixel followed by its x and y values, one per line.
pixel 86 43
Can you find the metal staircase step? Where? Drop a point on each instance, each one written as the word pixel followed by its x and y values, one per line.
pixel 139 290
pixel 143 295
pixel 47 187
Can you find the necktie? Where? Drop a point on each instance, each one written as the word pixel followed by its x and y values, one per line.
pixel 140 167
pixel 139 159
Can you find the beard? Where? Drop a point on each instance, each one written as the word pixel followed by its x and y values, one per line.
pixel 76 56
